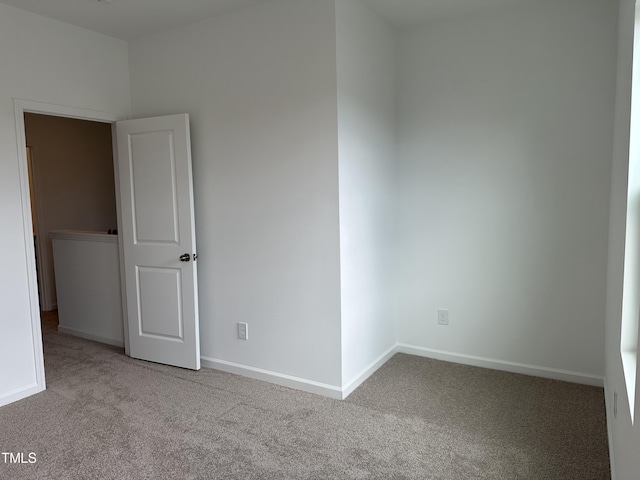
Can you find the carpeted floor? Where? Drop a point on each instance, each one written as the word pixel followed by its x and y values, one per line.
pixel 106 416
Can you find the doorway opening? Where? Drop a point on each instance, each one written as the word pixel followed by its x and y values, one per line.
pixel 22 108
pixel 72 187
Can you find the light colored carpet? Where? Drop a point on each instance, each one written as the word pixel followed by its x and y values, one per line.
pixel 106 416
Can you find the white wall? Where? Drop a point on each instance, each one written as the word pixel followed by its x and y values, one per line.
pixel 624 437
pixel 505 130
pixel 366 132
pixel 87 277
pixel 72 164
pixel 260 87
pixel 47 61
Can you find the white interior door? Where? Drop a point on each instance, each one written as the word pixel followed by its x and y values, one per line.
pixel 158 239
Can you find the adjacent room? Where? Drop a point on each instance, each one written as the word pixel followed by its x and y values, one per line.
pixel 72 193
pixel 379 186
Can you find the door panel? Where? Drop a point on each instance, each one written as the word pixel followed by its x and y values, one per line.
pixel 154 173
pixel 158 239
pixel 160 315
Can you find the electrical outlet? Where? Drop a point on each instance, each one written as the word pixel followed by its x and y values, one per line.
pixel 243 331
pixel 615 404
pixel 443 316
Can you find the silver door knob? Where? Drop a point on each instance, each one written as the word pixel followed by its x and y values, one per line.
pixel 185 257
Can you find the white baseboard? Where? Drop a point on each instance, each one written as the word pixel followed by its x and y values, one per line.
pixel 297 382
pixel 49 306
pixel 341 393
pixel 91 336
pixel 18 394
pixel 534 370
pixel 274 377
pixel 369 370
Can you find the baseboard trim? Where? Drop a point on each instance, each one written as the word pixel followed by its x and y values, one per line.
pixel 369 370
pixel 273 377
pixel 19 394
pixel 534 370
pixel 343 392
pixel 91 336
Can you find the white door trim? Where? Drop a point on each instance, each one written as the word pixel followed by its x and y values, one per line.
pixel 20 108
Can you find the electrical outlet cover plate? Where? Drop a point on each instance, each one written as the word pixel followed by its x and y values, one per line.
pixel 243 331
pixel 443 316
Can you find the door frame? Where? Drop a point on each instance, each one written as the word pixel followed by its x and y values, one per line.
pixel 27 106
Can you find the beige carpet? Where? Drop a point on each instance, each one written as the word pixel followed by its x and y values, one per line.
pixel 106 416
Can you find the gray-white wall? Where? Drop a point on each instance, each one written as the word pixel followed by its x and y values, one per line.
pixel 503 163
pixel 367 152
pixel 46 61
pixel 260 87
pixel 505 133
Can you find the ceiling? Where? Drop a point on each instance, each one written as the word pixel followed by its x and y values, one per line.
pixel 130 19
pixel 402 13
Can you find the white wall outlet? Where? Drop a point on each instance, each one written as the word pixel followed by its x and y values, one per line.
pixel 443 316
pixel 243 331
